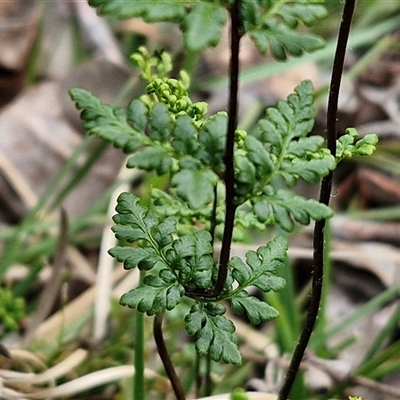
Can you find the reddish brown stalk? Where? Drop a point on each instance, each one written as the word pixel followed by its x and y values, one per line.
pixel 166 360
pixel 325 193
pixel 229 177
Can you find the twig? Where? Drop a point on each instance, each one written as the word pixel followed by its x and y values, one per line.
pixel 377 386
pixel 325 193
pixel 166 360
pixel 345 377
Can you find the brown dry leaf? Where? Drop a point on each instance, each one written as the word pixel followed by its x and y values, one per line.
pixel 101 77
pixel 18 30
pixel 373 187
pixel 18 21
pixel 37 140
pixel 381 260
pixel 76 309
pixel 385 100
pixel 44 384
pixel 361 230
pixel 150 31
pixel 372 100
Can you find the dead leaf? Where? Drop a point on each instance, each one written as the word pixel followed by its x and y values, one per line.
pixel 18 30
pixel 37 140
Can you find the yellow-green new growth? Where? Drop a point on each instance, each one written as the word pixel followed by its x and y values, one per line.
pixel 239 394
pixel 173 93
pixel 152 65
pixel 347 146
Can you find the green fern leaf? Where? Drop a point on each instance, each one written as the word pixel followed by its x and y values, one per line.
pixel 272 26
pixel 184 134
pixel 310 171
pixel 203 25
pixel 284 207
pixel 132 256
pixel 151 159
pixel 137 114
pixel 135 223
pixel 259 270
pixel 305 145
pixel 215 333
pixel 161 122
pixel 212 137
pixel 108 122
pixel 281 41
pixel 131 213
pixel 347 146
pixel 201 21
pixel 261 267
pixel 191 260
pixel 282 149
pixel 149 10
pixel 195 185
pixel 156 294
pixel 256 310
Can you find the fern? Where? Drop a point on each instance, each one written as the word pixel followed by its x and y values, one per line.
pixel 202 21
pixel 271 24
pixel 171 238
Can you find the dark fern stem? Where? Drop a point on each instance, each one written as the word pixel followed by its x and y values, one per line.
pixel 229 176
pixel 213 221
pixel 166 360
pixel 325 193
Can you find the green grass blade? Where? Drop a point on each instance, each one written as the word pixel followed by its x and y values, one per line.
pixel 13 247
pixel 367 308
pixel 383 335
pixel 358 38
pixel 383 364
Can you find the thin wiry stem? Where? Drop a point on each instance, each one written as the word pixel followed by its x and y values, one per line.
pixel 325 193
pixel 213 220
pixel 166 360
pixel 229 176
